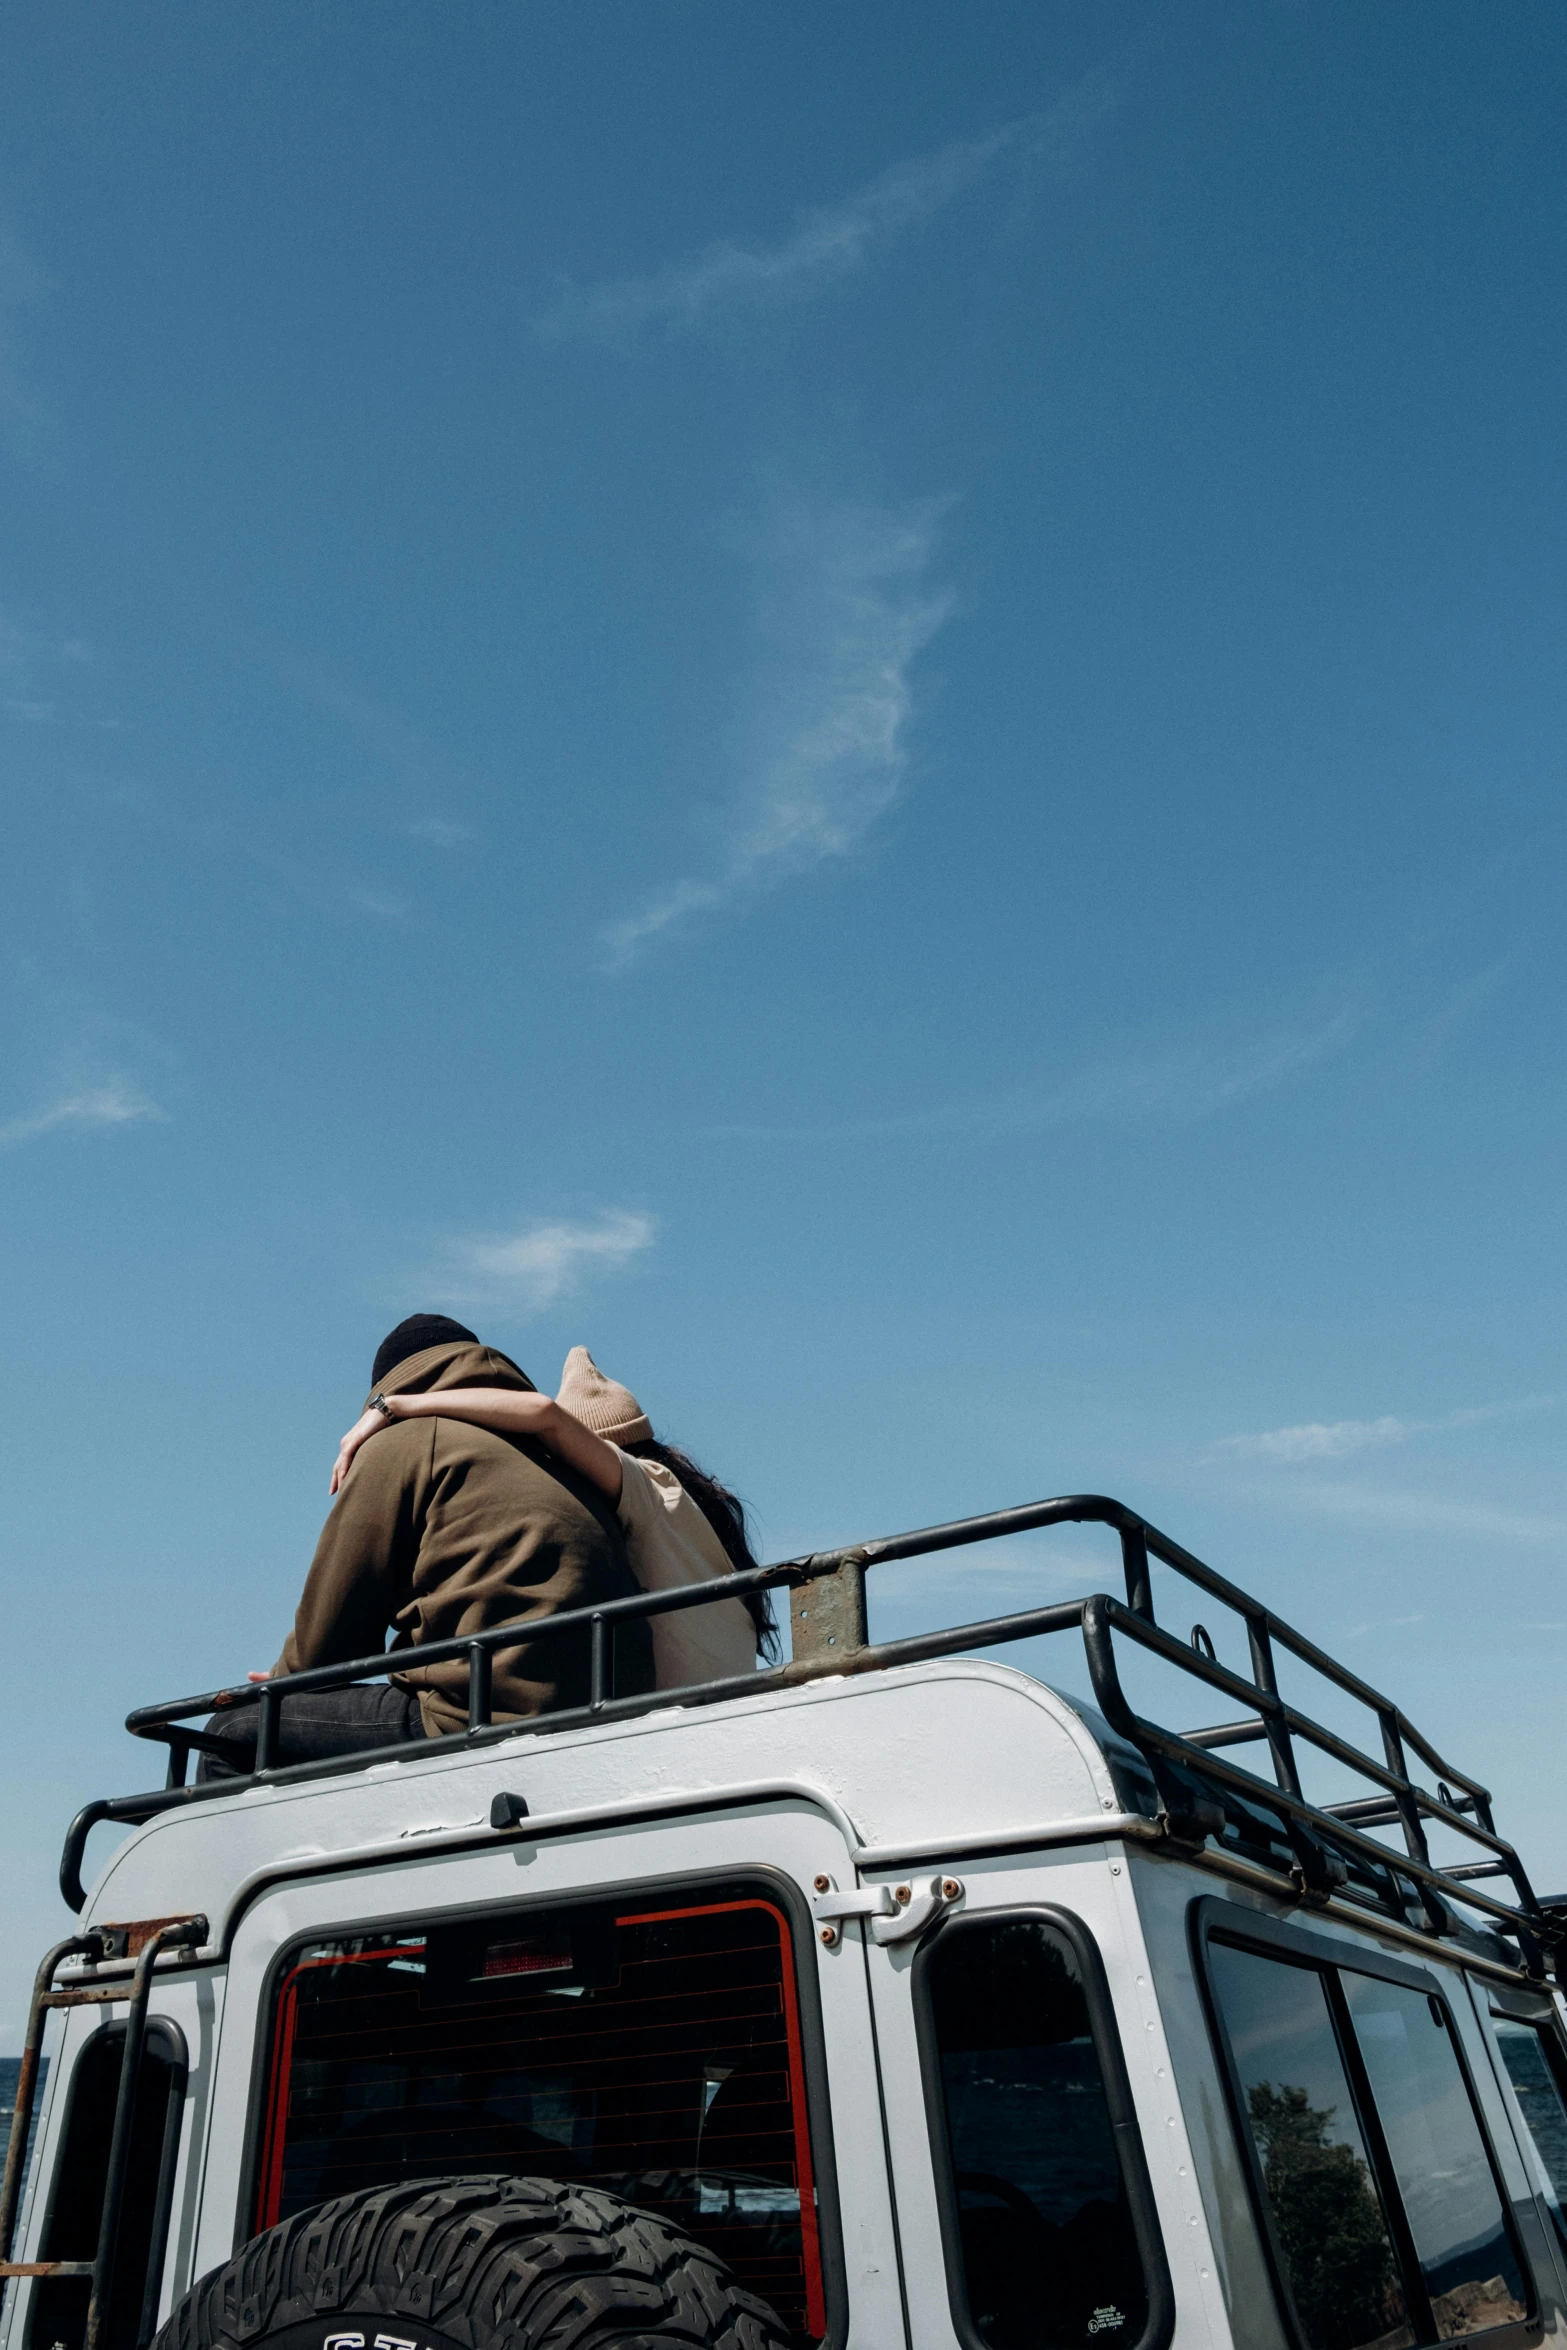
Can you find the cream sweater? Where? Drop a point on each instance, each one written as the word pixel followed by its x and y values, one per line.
pixel 668 1541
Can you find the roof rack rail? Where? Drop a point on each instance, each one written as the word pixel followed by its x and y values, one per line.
pixel 1320 1851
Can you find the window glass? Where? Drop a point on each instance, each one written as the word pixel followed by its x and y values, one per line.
pixel 1439 2158
pixel 653 2053
pixel 1540 2101
pixel 1331 2229
pixel 1048 2249
pixel 59 2312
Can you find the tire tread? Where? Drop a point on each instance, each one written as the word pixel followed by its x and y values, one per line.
pixel 492 2263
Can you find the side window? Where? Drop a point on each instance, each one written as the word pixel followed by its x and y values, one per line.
pixel 1534 2062
pixel 654 2052
pixel 1329 2222
pixel 59 2312
pixel 1439 2158
pixel 1038 2196
pixel 1386 2213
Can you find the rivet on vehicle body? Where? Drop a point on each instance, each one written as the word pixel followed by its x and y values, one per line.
pixel 903 1893
pixel 950 1888
pixel 822 1884
pixel 829 1935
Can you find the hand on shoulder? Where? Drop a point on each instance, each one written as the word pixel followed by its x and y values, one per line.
pixel 369 1423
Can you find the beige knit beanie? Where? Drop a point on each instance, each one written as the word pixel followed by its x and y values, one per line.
pixel 603 1405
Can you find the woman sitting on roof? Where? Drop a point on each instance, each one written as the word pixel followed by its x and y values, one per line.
pixel 680 1525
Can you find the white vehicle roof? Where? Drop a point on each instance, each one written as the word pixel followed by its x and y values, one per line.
pixel 935 1758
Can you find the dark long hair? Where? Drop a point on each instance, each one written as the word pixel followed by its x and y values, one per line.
pixel 725 1513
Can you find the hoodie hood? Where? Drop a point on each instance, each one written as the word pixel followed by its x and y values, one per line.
pixel 454 1363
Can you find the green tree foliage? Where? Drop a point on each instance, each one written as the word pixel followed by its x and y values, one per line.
pixel 1330 2223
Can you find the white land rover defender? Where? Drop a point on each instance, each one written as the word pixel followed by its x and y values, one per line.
pixel 885 1999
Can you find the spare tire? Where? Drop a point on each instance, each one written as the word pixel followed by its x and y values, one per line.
pixel 472 2264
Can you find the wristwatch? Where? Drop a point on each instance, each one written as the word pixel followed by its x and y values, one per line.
pixel 378 1403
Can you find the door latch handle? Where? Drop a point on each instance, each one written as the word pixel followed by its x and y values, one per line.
pixel 871 1901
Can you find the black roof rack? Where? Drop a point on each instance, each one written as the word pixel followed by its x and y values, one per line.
pixel 1184 1780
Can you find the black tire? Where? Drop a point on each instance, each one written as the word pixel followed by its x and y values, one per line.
pixel 472 2264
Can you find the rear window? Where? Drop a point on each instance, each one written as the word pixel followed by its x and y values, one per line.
pixel 1038 2195
pixel 652 2051
pixel 1385 2212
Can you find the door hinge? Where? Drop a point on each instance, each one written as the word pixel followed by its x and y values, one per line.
pixel 895 1913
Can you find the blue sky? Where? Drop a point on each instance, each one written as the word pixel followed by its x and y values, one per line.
pixel 863 703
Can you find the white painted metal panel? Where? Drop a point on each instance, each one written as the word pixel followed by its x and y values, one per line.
pixel 1092 1883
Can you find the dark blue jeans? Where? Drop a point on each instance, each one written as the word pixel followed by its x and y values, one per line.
pixel 316 1724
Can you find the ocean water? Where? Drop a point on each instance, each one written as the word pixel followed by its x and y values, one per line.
pixel 10 2066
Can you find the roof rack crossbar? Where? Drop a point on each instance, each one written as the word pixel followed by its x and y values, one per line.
pixel 1227 1734
pixel 1274 1711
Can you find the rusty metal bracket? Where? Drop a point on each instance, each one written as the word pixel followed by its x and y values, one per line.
pixel 827 1619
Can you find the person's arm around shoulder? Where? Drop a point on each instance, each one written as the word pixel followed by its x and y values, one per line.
pixel 362 1572
pixel 508 1411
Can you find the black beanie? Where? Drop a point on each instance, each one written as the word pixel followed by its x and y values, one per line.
pixel 412 1337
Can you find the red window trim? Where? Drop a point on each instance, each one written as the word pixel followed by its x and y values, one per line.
pixel 270 2196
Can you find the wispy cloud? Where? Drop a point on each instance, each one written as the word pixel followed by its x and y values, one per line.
pixel 1422 1513
pixel 847 613
pixel 525 1271
pixel 115 1104
pixel 440 832
pixel 1320 1440
pixel 830 242
pixel 432 779
pixel 382 905
pixel 1326 1440
pixel 1382 1624
pixel 1190 1082
pixel 1429 1037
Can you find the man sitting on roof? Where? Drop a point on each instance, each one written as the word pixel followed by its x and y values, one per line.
pixel 444 1529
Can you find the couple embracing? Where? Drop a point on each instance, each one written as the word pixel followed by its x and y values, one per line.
pixel 465 1499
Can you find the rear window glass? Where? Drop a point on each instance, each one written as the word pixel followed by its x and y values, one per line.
pixel 1045 2236
pixel 1386 2214
pixel 654 2052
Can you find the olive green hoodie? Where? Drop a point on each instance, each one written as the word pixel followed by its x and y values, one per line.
pixel 442 1529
